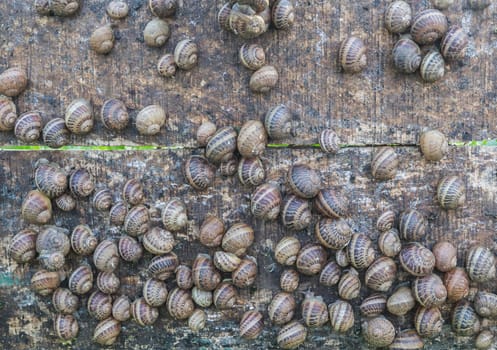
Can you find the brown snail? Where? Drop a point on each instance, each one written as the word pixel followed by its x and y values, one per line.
pixel 65 202
pixel 13 81
pixel 265 202
pixel 381 274
pixel 252 139
pixel 204 274
pixel 333 234
pixel 456 282
pixel 330 274
pixel 226 262
pixel 162 267
pixel 480 264
pixel 212 231
pixel 245 274
pixel 311 259
pixel 429 290
pixel 373 305
pixel 150 120
pixel 79 116
pixel 251 172
pixel 156 32
pixel 406 55
pixel 22 247
pixel 341 316
pixel 133 192
pixel 203 298
pixel 102 200
pixel 412 225
pixel 114 115
pixel 106 256
pixel 384 164
pixel 352 55
pixel 129 249
pixel 428 321
pixel 163 8
pixel 83 240
pixel 174 215
pixel 283 14
pixel 121 308
pixel 117 9
pixel 137 220
pixel 251 324
pixel 454 43
pixel 428 26
pixel 432 67
pixel 445 256
pixel 433 145
pixel 186 54
pixel 349 285
pixel 246 25
pixel 184 277
pixel 158 241
pixel 264 79
pixel 407 339
pixel 204 132
pixel 451 192
pixel 81 280
pixel 331 204
pixel 314 311
pixel 289 280
pixel 329 141
pixel 180 304
pixel 108 282
pixel 154 292
pixel 61 8
pixel 401 301
pixel 107 331
pixel 485 304
pixel 36 208
pixel 28 127
pixel 464 320
pixel 197 320
pixel 304 181
pixel 286 250
pixel 166 66
pixel 238 238
pixel 417 259
pixel 45 282
pixel 50 179
pixel 229 168
pixel 398 16
pixel 102 40
pixel 99 305
pixel 199 172
pixel 55 133
pixel 81 183
pixel 66 326
pixel 281 308
pixel 142 313
pixel 484 340
pixel 8 114
pixel 278 122
pixel 225 296
pixel 378 331
pixel 252 56
pixel 223 16
pixel 221 146
pixel 291 335
pixel 389 242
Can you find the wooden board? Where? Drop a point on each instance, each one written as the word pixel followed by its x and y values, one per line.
pixel 25 319
pixel 378 106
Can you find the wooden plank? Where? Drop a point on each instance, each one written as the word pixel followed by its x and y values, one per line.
pixel 376 107
pixel 25 319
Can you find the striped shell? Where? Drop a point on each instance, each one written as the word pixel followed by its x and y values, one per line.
pixel 286 250
pixel 311 259
pixel 66 327
pixel 186 54
pixel 13 81
pixel 36 208
pixel 204 274
pixel 384 164
pixel 484 340
pixel 291 335
pixel 264 79
pixel 223 16
pixel 342 258
pixel 142 313
pixel 81 183
pixel 374 305
pixel 184 277
pixel 281 308
pixel 445 256
pixel 137 220
pixel 479 4
pixel 378 332
pixel 314 311
pixel 202 298
pixel 295 213
pixel 401 301
pixel 329 141
pixel 221 145
pixel 158 241
pixel 162 267
pixel 22 247
pixel 211 231
pixel 83 241
pixel 407 340
pixel 428 321
pixel 433 144
pixel 485 304
pixel 226 262
pixel 456 282
pixel 154 292
pixel 451 192
pixel 278 122
pixel 251 324
pixel 81 280
pixel 150 120
pixel 333 234
pixel 55 133
pixel 79 116
pixel 341 316
pixel 352 55
pixel 480 264
pixel 28 127
pixel 381 274
pixel 432 67
pixel 102 200
pixel 174 215
pixel 238 238
pixel 389 242
pixel 225 296
pixel 107 331
pixel 245 274
pixel 108 282
pixel 65 202
pixel 197 320
pixel 464 320
pixel 114 115
pixel 246 25
pixel 304 181
pixel 330 274
pixel 129 249
pixel 8 114
pixel 429 290
pixel 64 301
pixel 349 285
pixel 283 14
pixel 417 259
pixel 265 202
pixel 106 256
pixel 428 26
pixel 289 280
pixel 121 308
pixel 360 251
pixel 180 304
pixel 331 204
pixel 252 56
pixel 166 66
pixel 156 32
pixel 252 139
pixel 99 305
pixel 412 225
pixel 45 282
pixel 398 16
pixel 251 172
pixel 51 179
pixel 406 55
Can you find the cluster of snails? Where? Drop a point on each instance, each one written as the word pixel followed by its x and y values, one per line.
pixel 102 39
pixel 426 28
pixel 62 8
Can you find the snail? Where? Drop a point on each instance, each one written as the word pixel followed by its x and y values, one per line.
pixel 264 79
pixel 81 183
pixel 158 241
pixel 238 238
pixel 412 225
pixel 333 234
pixel 314 311
pixel 246 25
pixel 61 8
pixel 197 320
pixel 384 164
pixel 330 274
pixel 28 127
pixel 8 114
pixel 291 335
pixel 174 216
pixel 203 298
pixel 102 40
pixel 204 274
pixel 289 280
pixel 464 320
pixel 457 283
pixel 66 327
pixel 99 305
pixel 229 168
pixel 107 331
pixel 212 231
pixel 55 133
pixel 432 67
pixel 445 256
pixel 221 146
pixel 283 14
pixel 65 202
pixel 374 305
pixel 106 256
pixel 184 277
pixel 137 220
pixel 166 66
pixel 311 259
pixel 223 16
pixel 64 301
pixel 485 304
pixel 484 340
pixel 50 179
pixel 133 192
pixel 417 259
pixel 142 313
pixel 281 308
pixel 198 172
pixel 451 192
pixel 286 250
pixel 251 172
pixel 329 141
pixel 295 213
pixel 252 56
pixel 381 274
pixel 108 282
pixel 265 202
pixel 13 81
pixel 360 251
pixel 349 285
pixel 480 264
pixel 180 304
pixel 150 120
pixel 331 204
pixel 429 290
pixel 352 55
pixel 114 115
pixel 398 16
pixel 36 208
pixel 407 339
pixel 22 247
pixel 186 54
pixel 378 331
pixel 401 301
pixel 278 122
pixel 341 316
pixel 204 133
pixel 389 242
pixel 251 324
pixel 433 145
pixel 162 267
pixel 244 275
pixel 163 8
pixel 156 32
pixel 102 200
pixel 154 292
pixel 83 240
pixel 45 282
pixel 454 43
pixel 225 296
pixel 304 181
pixel 428 321
pixel 428 26
pixel 252 139
pixel 406 55
pixel 129 249
pixel 81 280
pixel 117 9
pixel 226 262
pixel 121 308
pixel 117 213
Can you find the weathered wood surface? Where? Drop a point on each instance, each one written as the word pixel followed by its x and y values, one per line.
pixel 25 318
pixel 376 107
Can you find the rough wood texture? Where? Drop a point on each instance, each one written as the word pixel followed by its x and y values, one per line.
pixel 376 107
pixel 26 318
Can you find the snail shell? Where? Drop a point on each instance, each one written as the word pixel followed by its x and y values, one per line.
pixel 166 66
pixel 142 313
pixel 291 335
pixel 479 4
pixel 81 280
pixel 349 285
pixel 401 301
pixel 352 55
pixel 45 282
pixel 199 173
pixel 406 55
pixel 429 290
pixel 64 301
pixel 13 81
pixel 304 181
pixel 204 133
pixel 341 316
pixel 412 225
pixel 295 213
pixel 330 274
pixel 102 200
pixel 480 264
pixel 454 44
pixel 50 179
pixel 251 171
pixel 180 304
pixel 102 40
pixel 66 327
pixel 333 234
pixel 238 238
pixel 204 274
pixel 197 320
pixel 465 321
pixel 229 168
pixel 81 183
pixel 221 146
pixel 108 282
pixel 360 251
pixel 137 221
pixel 378 332
pixel 117 9
pixel 162 267
pixel 264 79
pixel 186 54
pixel 445 256
pixel 154 292
pixel 244 275
pixel 252 139
pixel 265 202
pixel 79 117
pixel 202 298
pixel 129 249
pixel 184 277
pixel 286 250
pixel 174 216
pixel 329 141
pixel 114 115
pixel 485 304
pixel 121 308
pixel 381 274
pixel 156 32
pixel 52 261
pixel 252 56
pixel 225 296
pixel 432 67
pixel 433 145
pixel 212 231
pixel 106 256
pixel 331 204
pixel 314 311
pixel 428 26
pixel 83 241
pixel 65 202
pixel 428 321
pixel 163 8
pixel 223 16
pixel 278 122
pixel 281 308
pixel 417 259
pixel 226 262
pixel 251 324
pixel 158 241
pixel 100 305
pixel 451 192
pixel 256 5
pixel 53 239
pixel 374 305
pixel 107 331
pixel 289 280
pixel 8 114
pixel 36 208
pixel 389 242
pixel 28 127
pixel 150 119
pixel 384 164
pixel 64 8
pixel 283 14
pixel 398 16
pixel 133 192
pixel 484 340
pixel 442 4
pixel 407 340
pixel 22 247
pixel 311 259
pixel 245 25
pixel 55 133
pixel 456 282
